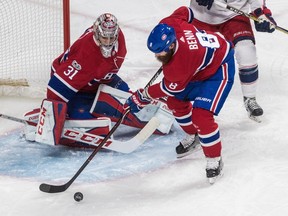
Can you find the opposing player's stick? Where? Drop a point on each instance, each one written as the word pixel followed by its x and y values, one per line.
pixel 126 146
pixel 250 16
pixel 48 188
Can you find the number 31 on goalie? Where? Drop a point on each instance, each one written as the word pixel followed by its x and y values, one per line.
pixel 72 70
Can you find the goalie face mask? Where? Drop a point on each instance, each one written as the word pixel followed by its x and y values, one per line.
pixel 106 31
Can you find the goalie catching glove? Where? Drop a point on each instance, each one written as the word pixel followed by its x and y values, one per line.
pixel 266 22
pixel 137 101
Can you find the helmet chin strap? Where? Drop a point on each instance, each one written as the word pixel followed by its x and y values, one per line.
pixel 105 50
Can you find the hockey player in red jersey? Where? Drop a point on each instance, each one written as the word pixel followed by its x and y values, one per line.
pixel 198 66
pixel 94 58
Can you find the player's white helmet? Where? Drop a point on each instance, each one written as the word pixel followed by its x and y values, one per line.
pixel 106 31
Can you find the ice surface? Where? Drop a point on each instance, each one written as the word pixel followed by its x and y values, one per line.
pixel 151 181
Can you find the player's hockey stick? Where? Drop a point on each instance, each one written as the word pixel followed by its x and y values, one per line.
pixel 126 146
pixel 12 118
pixel 48 188
pixel 250 16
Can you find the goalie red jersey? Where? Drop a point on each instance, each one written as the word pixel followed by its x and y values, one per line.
pixel 83 67
pixel 200 50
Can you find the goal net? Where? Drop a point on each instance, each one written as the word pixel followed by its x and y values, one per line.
pixel 33 33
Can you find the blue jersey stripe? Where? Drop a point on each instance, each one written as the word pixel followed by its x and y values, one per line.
pixel 208 57
pixel 60 89
pixel 191 15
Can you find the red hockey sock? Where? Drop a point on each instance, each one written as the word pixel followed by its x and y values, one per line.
pixel 208 132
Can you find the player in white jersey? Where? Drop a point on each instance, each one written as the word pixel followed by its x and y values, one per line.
pixel 238 30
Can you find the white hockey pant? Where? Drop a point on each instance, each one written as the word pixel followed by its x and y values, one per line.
pixel 245 53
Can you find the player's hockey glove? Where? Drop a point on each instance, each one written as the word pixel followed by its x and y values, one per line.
pixel 137 101
pixel 266 22
pixel 205 3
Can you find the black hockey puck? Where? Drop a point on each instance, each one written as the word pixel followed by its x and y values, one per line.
pixel 78 196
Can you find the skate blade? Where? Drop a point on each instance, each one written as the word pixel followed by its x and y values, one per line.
pixel 214 179
pixel 194 149
pixel 255 118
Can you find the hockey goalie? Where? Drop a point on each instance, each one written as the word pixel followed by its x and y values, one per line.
pixel 85 95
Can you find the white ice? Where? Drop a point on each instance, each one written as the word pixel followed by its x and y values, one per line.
pixel 151 181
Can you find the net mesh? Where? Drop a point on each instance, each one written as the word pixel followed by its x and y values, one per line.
pixel 31 37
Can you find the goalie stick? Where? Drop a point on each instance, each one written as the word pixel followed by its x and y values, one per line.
pixel 126 147
pixel 49 188
pixel 250 16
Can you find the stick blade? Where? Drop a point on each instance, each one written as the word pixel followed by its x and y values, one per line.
pixel 47 188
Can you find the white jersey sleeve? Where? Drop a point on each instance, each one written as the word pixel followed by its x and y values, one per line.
pixel 254 4
pixel 217 14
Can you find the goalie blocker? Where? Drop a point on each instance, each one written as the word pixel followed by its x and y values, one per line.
pixel 107 107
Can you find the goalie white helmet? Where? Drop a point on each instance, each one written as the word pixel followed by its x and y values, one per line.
pixel 106 31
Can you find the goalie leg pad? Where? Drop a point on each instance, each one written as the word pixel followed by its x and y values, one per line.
pixel 51 121
pixel 165 117
pixel 100 126
pixel 109 102
pixel 29 131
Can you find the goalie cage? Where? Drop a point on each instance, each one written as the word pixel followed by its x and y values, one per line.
pixel 33 33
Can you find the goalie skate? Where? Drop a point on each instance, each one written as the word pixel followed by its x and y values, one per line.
pixel 253 109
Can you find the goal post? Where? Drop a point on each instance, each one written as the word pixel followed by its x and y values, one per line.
pixel 33 33
pixel 66 23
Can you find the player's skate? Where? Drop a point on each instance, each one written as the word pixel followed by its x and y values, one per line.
pixel 187 145
pixel 214 169
pixel 254 110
